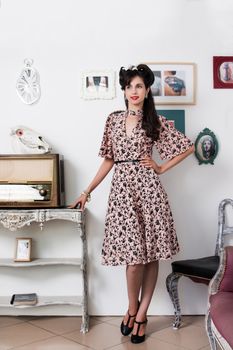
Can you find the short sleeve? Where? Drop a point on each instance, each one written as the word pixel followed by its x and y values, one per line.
pixel 106 144
pixel 171 142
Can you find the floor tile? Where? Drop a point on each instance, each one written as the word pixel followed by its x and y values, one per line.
pixel 9 321
pixel 20 334
pixel 54 343
pixel 195 320
pixel 191 337
pixel 104 318
pixel 209 348
pixel 149 344
pixel 60 325
pixel 99 337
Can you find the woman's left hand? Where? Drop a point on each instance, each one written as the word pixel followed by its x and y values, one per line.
pixel 150 163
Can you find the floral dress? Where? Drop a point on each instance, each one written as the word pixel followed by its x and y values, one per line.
pixel 139 227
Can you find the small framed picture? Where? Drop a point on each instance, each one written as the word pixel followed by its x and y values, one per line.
pixel 174 83
pixel 223 72
pixel 206 147
pixel 98 85
pixel 23 249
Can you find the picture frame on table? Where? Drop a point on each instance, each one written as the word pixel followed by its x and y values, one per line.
pixel 223 72
pixel 175 83
pixel 98 84
pixel 176 117
pixel 23 249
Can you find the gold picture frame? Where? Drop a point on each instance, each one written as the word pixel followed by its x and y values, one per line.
pixel 175 83
pixel 23 249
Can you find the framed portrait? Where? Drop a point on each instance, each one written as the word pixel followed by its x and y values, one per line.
pixel 206 147
pixel 223 72
pixel 175 116
pixel 174 83
pixel 23 249
pixel 98 85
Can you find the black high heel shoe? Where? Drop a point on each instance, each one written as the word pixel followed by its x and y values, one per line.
pixel 135 338
pixel 125 329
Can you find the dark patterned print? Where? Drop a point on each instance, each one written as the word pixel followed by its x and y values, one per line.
pixel 139 227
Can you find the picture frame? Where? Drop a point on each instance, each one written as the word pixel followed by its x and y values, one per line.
pixel 206 147
pixel 175 83
pixel 223 72
pixel 175 116
pixel 98 84
pixel 23 249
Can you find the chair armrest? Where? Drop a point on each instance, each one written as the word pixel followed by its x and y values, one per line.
pixel 223 279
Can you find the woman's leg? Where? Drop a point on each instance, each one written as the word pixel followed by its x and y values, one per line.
pixel 148 286
pixel 134 277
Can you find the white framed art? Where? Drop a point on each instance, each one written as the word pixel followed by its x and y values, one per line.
pixel 99 84
pixel 175 83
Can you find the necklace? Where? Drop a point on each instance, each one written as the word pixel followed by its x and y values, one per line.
pixel 138 113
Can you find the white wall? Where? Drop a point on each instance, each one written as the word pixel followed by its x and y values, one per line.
pixel 66 37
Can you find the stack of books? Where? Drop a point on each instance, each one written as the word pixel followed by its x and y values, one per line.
pixel 24 299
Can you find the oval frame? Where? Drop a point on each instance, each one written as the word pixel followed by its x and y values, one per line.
pixel 206 147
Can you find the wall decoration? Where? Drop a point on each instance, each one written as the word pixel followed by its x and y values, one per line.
pixel 175 116
pixel 206 147
pixel 223 72
pixel 23 249
pixel 28 85
pixel 98 85
pixel 28 141
pixel 174 83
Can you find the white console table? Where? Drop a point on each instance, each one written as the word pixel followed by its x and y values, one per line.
pixel 14 219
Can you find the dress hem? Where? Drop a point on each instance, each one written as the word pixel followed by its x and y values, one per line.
pixel 123 263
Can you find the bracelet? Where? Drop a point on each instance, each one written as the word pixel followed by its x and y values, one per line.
pixel 87 194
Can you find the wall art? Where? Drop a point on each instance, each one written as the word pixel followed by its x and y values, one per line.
pixel 28 84
pixel 98 85
pixel 175 116
pixel 174 83
pixel 206 147
pixel 223 72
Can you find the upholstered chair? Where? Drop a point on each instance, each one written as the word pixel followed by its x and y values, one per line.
pixel 201 269
pixel 219 318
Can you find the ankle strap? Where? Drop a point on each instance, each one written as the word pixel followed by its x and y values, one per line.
pixel 138 322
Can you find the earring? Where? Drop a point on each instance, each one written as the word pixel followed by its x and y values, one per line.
pixel 146 96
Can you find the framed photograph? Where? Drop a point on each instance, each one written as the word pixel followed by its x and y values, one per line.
pixel 98 85
pixel 223 72
pixel 174 83
pixel 23 249
pixel 175 116
pixel 206 147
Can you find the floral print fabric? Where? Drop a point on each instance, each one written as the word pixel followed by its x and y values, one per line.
pixel 139 227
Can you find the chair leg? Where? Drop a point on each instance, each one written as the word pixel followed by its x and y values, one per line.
pixel 210 333
pixel 172 288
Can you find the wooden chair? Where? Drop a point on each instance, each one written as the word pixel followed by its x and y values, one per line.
pixel 200 270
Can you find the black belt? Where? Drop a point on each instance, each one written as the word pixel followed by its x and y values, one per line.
pixel 127 161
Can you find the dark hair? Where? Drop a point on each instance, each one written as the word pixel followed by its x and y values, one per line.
pixel 150 120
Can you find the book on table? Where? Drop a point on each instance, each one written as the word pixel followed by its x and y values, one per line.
pixel 24 299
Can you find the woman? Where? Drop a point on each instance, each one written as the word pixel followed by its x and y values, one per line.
pixel 139 228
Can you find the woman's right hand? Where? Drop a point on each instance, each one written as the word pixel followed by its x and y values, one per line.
pixel 79 202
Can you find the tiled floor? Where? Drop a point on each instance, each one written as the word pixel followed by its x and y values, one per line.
pixel 62 333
